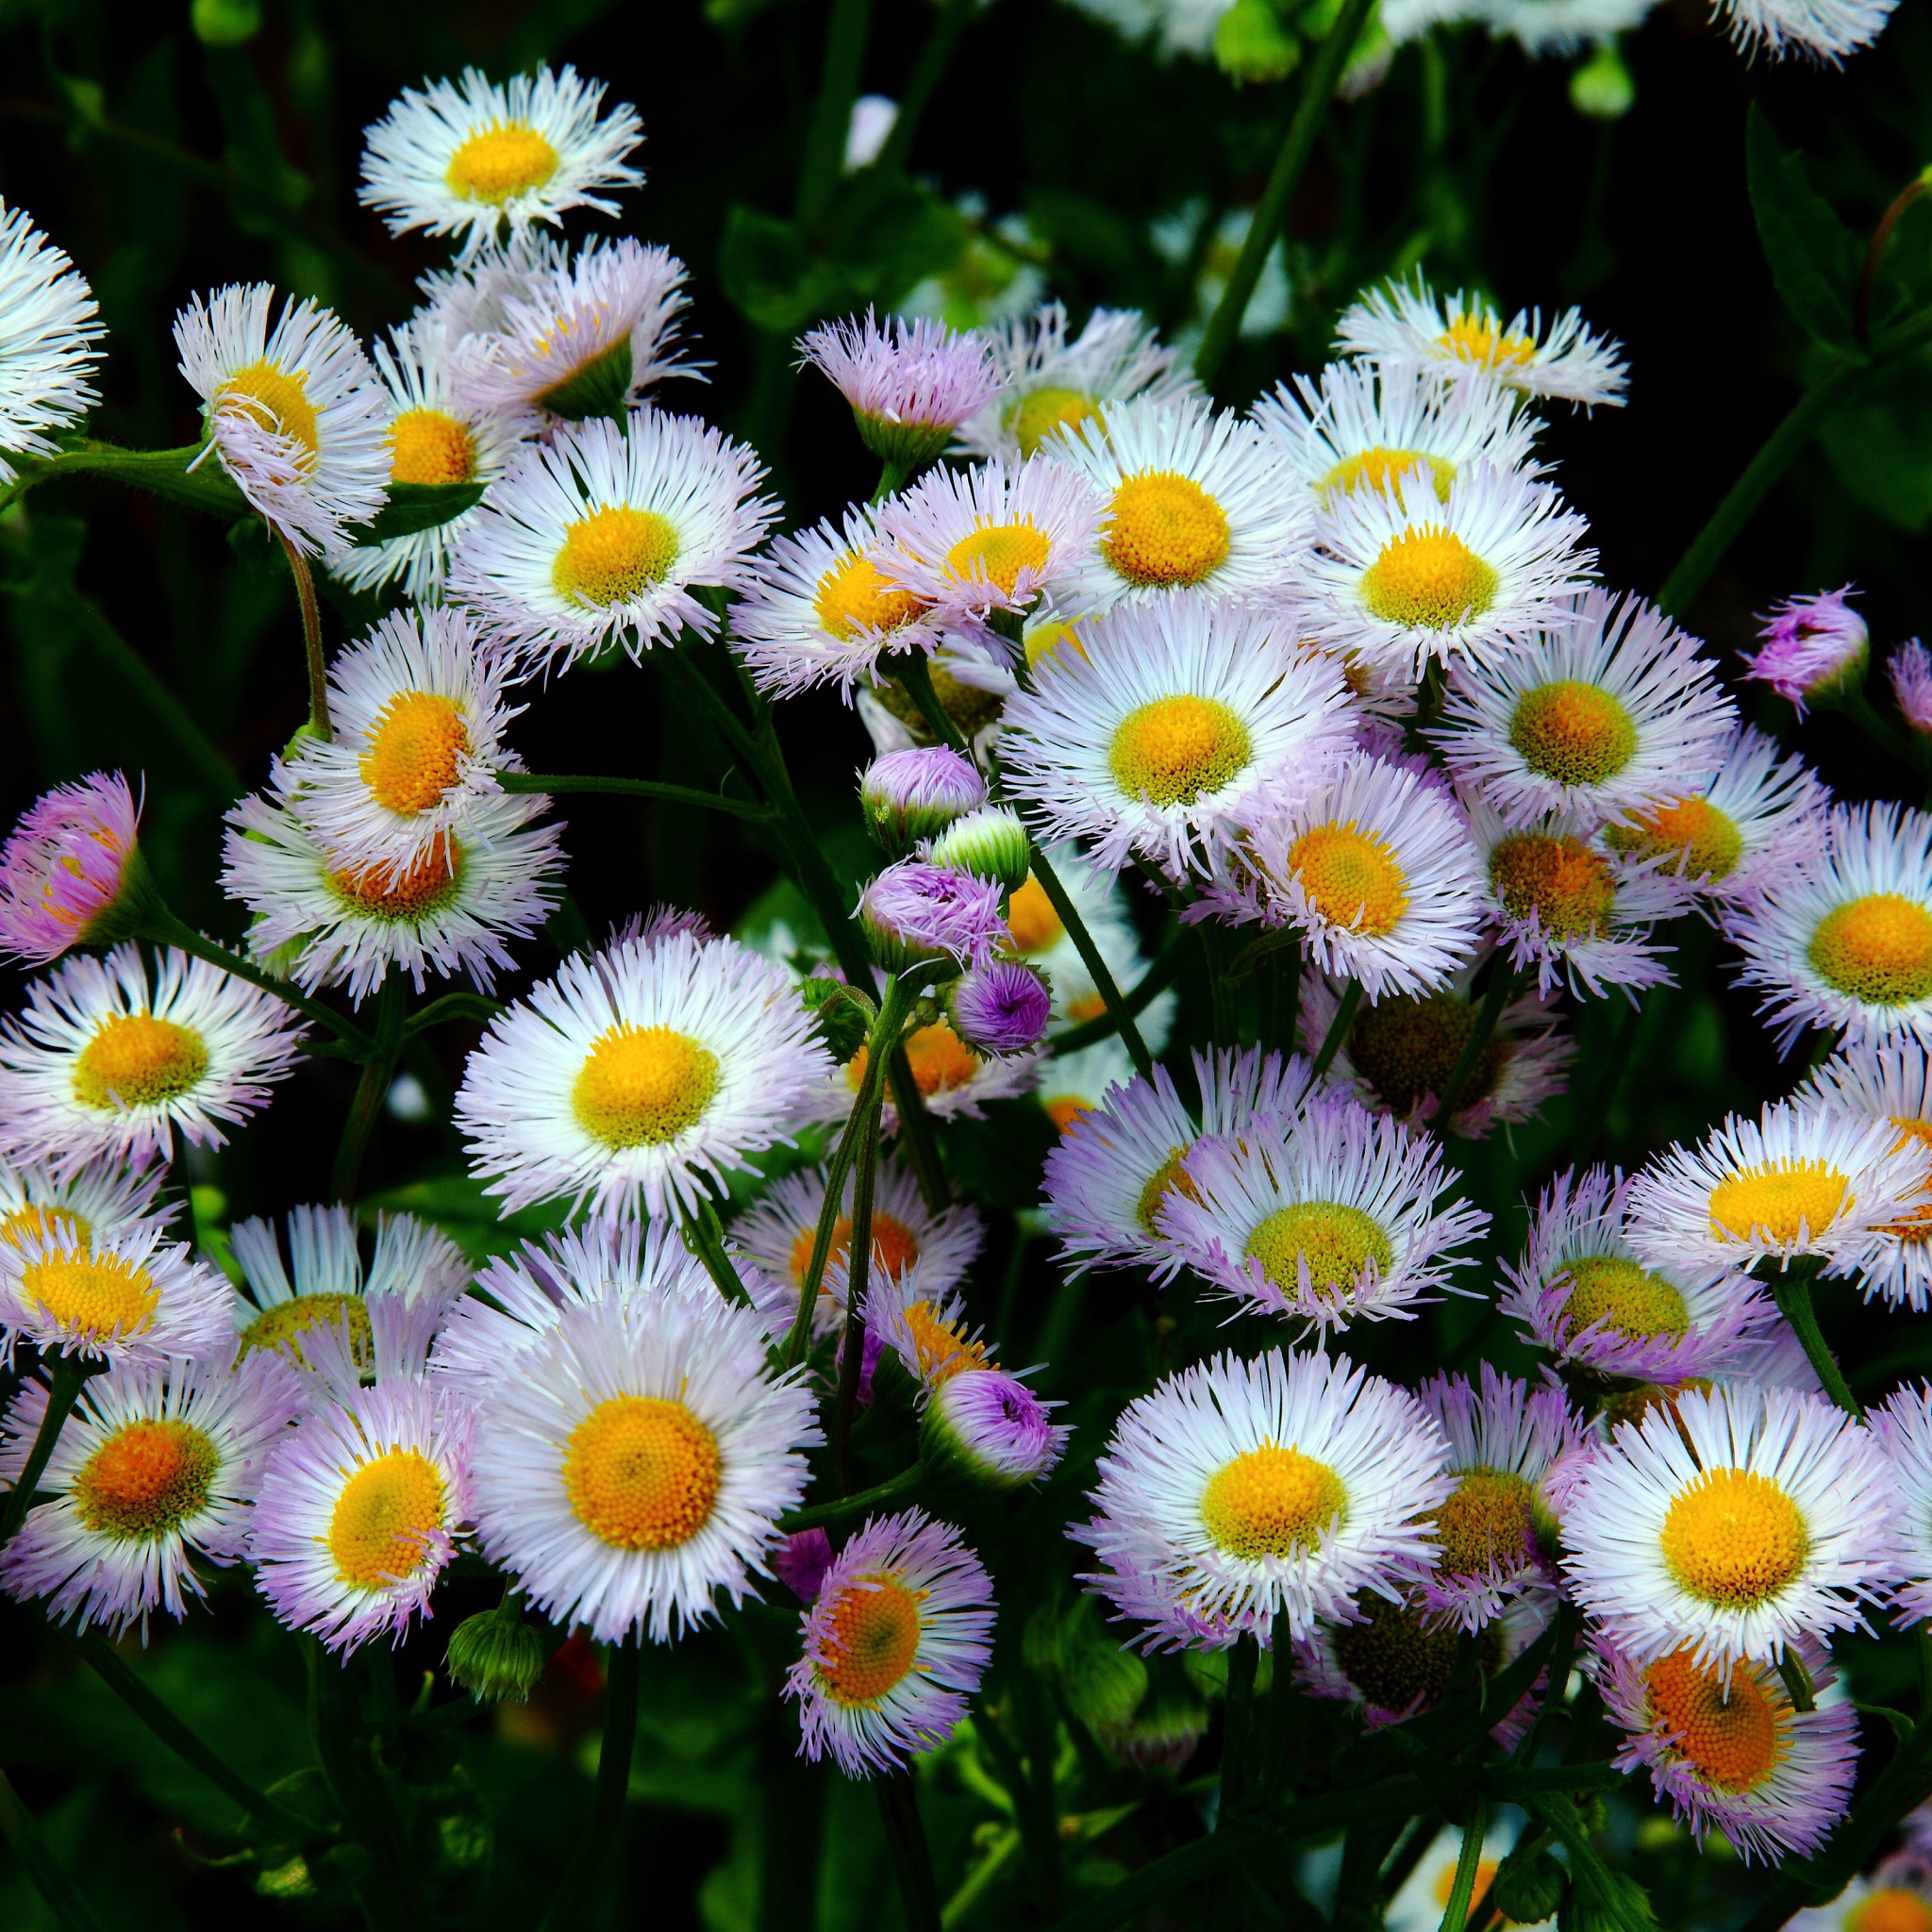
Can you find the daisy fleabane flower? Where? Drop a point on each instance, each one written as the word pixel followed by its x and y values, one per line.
pixel 471 159
pixel 93 1203
pixel 49 329
pixel 915 914
pixel 1909 672
pixel 1826 29
pixel 1896 1896
pixel 71 873
pixel 1903 1425
pixel 676 1384
pixel 603 534
pixel 295 415
pixel 1731 1524
pixel 1259 1497
pixel 909 383
pixel 1407 322
pixel 1724 1747
pixel 633 1076
pixel 358 1511
pixel 896 1641
pixel 986 1426
pixel 1812 646
pixel 159 1466
pixel 108 1060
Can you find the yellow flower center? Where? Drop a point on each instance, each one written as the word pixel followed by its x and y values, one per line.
pixel 1428 579
pixel 1890 1909
pixel 282 1325
pixel 408 897
pixel 642 1086
pixel 498 162
pixel 1031 919
pixel 1270 1502
pixel 1339 1243
pixel 1352 878
pixel 1734 1539
pixel 137 1061
pixel 1878 949
pixel 1086 1007
pixel 873 1641
pixel 384 1517
pixel 1727 1722
pixel 939 1058
pixel 1063 1109
pixel 1487 1523
pixel 146 1480
pixel 1917 1224
pixel 895 1247
pixel 1628 1299
pixel 856 596
pixel 91 1295
pixel 997 553
pixel 1396 1656
pixel 1485 1878
pixel 1380 469
pixel 1041 411
pixel 1407 1045
pixel 414 751
pixel 428 446
pixel 942 1351
pixel 1570 888
pixel 47 1225
pixel 1172 750
pixel 1057 641
pixel 1787 1200
pixel 276 402
pixel 1477 338
pixel 1572 732
pixel 641 1472
pixel 1701 841
pixel 1169 1177
pixel 1165 530
pixel 613 555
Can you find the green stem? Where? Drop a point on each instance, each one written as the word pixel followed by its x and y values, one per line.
pixel 1243 1663
pixel 1270 211
pixel 386 1891
pixel 570 1909
pixel 107 1665
pixel 1593 1110
pixel 1455 1914
pixel 372 1085
pixel 704 1236
pixel 165 929
pixel 893 478
pixel 865 1162
pixel 927 72
pixel 1791 1288
pixel 1497 996
pixel 548 782
pixel 1039 1727
pixel 311 637
pixel 67 1378
pixel 842 1507
pixel 1875 252
pixel 911 1856
pixel 1161 975
pixel 831 114
pixel 1338 1027
pixel 1062 904
pixel 23 1834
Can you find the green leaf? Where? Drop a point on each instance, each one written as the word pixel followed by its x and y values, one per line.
pixel 1815 260
pixel 413 507
pixel 1880 442
pixel 770 272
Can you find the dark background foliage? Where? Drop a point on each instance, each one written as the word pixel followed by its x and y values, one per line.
pixel 140 635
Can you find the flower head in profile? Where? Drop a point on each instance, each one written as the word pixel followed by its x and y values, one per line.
pixel 70 873
pixel 986 1425
pixel 913 912
pixel 909 383
pixel 1812 647
pixel 1910 670
pixel 1827 31
pixel 913 795
pixel 49 329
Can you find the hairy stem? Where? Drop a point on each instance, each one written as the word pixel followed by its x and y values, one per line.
pixel 1455 1914
pixel 386 1891
pixel 1791 1288
pixel 379 1070
pixel 912 1859
pixel 842 1507
pixel 1061 902
pixel 67 1376
pixel 831 114
pixel 165 929
pixel 1161 975
pixel 311 637
pixel 570 1909
pixel 858 1272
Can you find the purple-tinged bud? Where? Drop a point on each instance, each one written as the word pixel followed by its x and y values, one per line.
pixel 910 795
pixel 71 873
pixel 986 1426
pixel 990 843
pixel 1909 668
pixel 910 383
pixel 1814 647
pixel 1000 1008
pixel 913 913
pixel 800 1562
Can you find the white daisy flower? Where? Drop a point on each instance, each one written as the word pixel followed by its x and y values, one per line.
pixel 1181 720
pixel 473 298
pixel 1543 27
pixel 1407 322
pixel 637 1464
pixel 49 329
pixel 294 414
pixel 1885 1900
pixel 896 1641
pixel 634 1076
pixel 1846 941
pixel 467 158
pixel 602 534
pixel 1826 29
pixel 435 435
pixel 820 608
pixel 132 1295
pixel 1244 1497
pixel 1758 818
pixel 1192 499
pixel 1732 1525
pixel 451 911
pixel 994 538
pixel 358 1512
pixel 158 1467
pixel 583 340
pixel 1057 383
pixel 1336 1217
pixel 1375 871
pixel 1567 906
pixel 1360 425
pixel 93 1203
pixel 1903 1425
pixel 1613 712
pixel 1400 575
pixel 1588 1297
pixel 105 1062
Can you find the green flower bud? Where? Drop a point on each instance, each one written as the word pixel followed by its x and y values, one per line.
pixel 224 22
pixel 495 1655
pixel 990 843
pixel 1528 1890
pixel 1251 45
pixel 843 1017
pixel 1602 87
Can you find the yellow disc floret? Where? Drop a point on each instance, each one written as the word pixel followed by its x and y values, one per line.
pixel 997 553
pixel 414 751
pixel 282 1325
pixel 1169 1178
pixel 1428 579
pixel 1165 530
pixel 1172 750
pixel 135 1059
pixel 497 163
pixel 1878 949
pixel 855 597
pixel 276 401
pixel 1783 1201
pixel 1407 1045
pixel 1031 919
pixel 1627 1298
pixel 940 1349
pixel 643 1472
pixel 1339 1243
pixel 872 1641
pixel 1572 732
pixel 642 1086
pixel 1488 1525
pixel 1270 1502
pixel 1041 411
pixel 91 1295
pixel 1727 1724
pixel 895 1247
pixel 48 1226
pixel 1734 1539
pixel 427 885
pixel 146 1480
pixel 1698 840
pixel 430 446
pixel 1477 338
pixel 1570 889
pixel 1352 878
pixel 1382 469
pixel 1398 1656
pixel 385 1517
pixel 613 555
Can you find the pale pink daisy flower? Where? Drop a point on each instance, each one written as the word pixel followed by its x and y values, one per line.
pixel 1909 668
pixel 910 383
pixel 71 872
pixel 1812 647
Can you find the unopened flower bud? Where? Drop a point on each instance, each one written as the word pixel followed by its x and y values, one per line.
pixel 1815 648
pixel 1000 1008
pixel 1602 87
pixel 1909 668
pixel 495 1655
pixel 911 796
pixel 986 1425
pixel 911 384
pixel 914 913
pixel 990 843
pixel 1528 1890
pixel 842 1017
pixel 70 873
pixel 1251 43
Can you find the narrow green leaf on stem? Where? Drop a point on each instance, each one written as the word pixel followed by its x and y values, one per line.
pixel 67 1376
pixel 562 782
pixel 23 1833
pixel 703 1235
pixel 1338 1027
pixel 570 1909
